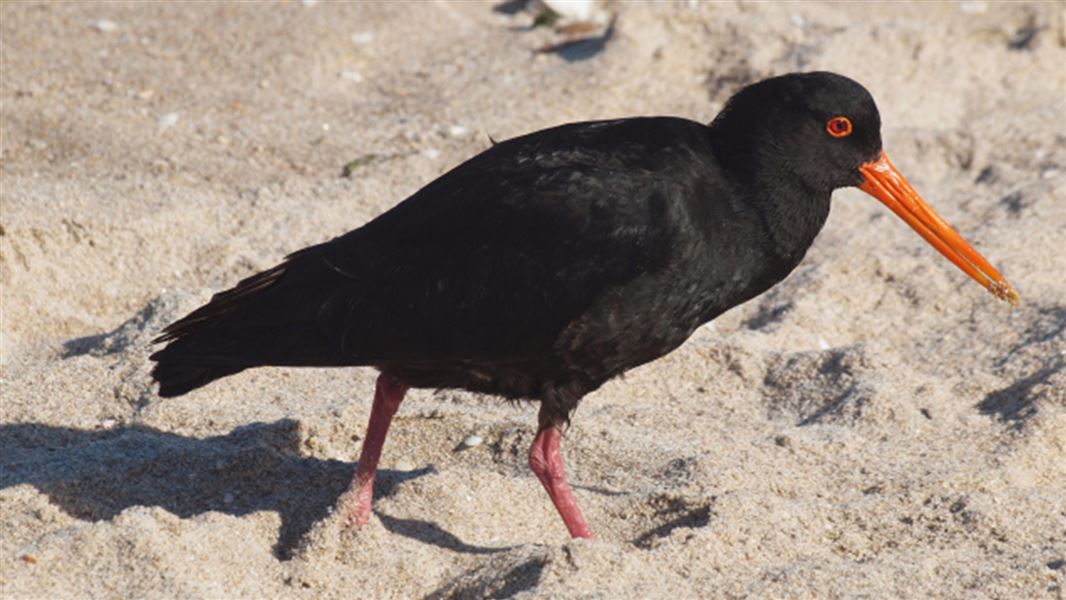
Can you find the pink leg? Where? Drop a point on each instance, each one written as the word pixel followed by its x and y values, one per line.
pixel 547 463
pixel 360 496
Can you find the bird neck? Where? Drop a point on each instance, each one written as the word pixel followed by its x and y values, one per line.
pixel 791 208
pixel 792 216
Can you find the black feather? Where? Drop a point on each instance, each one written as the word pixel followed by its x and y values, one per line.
pixel 551 262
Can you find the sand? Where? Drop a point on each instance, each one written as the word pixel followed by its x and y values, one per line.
pixel 875 426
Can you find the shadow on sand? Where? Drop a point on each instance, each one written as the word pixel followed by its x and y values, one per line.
pixel 95 475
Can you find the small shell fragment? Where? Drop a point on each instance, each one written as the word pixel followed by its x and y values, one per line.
pixel 349 75
pixel 578 10
pixel 104 25
pixel 472 440
pixel 362 38
pixel 168 120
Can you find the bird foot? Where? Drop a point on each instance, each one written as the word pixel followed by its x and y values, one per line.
pixel 357 502
pixel 356 516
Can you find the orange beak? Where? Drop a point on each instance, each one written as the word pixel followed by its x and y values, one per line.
pixel 886 184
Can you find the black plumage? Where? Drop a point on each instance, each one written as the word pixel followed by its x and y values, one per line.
pixel 554 261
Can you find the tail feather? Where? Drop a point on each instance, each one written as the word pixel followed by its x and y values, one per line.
pixel 176 379
pixel 221 304
pixel 195 354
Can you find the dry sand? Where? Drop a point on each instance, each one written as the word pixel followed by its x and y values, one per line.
pixel 875 426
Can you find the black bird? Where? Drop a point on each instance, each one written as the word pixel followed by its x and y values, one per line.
pixel 554 261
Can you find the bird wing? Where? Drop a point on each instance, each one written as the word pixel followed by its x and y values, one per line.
pixel 489 263
pixel 494 259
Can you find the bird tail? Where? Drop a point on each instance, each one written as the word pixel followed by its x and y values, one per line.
pixel 177 378
pixel 202 347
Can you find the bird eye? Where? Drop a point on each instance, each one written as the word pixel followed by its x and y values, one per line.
pixel 838 126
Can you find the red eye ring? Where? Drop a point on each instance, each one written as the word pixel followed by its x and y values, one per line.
pixel 838 127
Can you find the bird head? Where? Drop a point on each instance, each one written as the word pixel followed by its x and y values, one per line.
pixel 823 131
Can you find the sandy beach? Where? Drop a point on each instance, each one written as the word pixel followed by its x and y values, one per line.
pixel 875 426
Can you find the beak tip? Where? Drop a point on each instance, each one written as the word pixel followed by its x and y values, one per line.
pixel 1004 291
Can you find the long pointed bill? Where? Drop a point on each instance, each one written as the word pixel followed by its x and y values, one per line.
pixel 886 184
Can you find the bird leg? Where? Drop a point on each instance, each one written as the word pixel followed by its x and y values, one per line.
pixel 547 464
pixel 360 495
